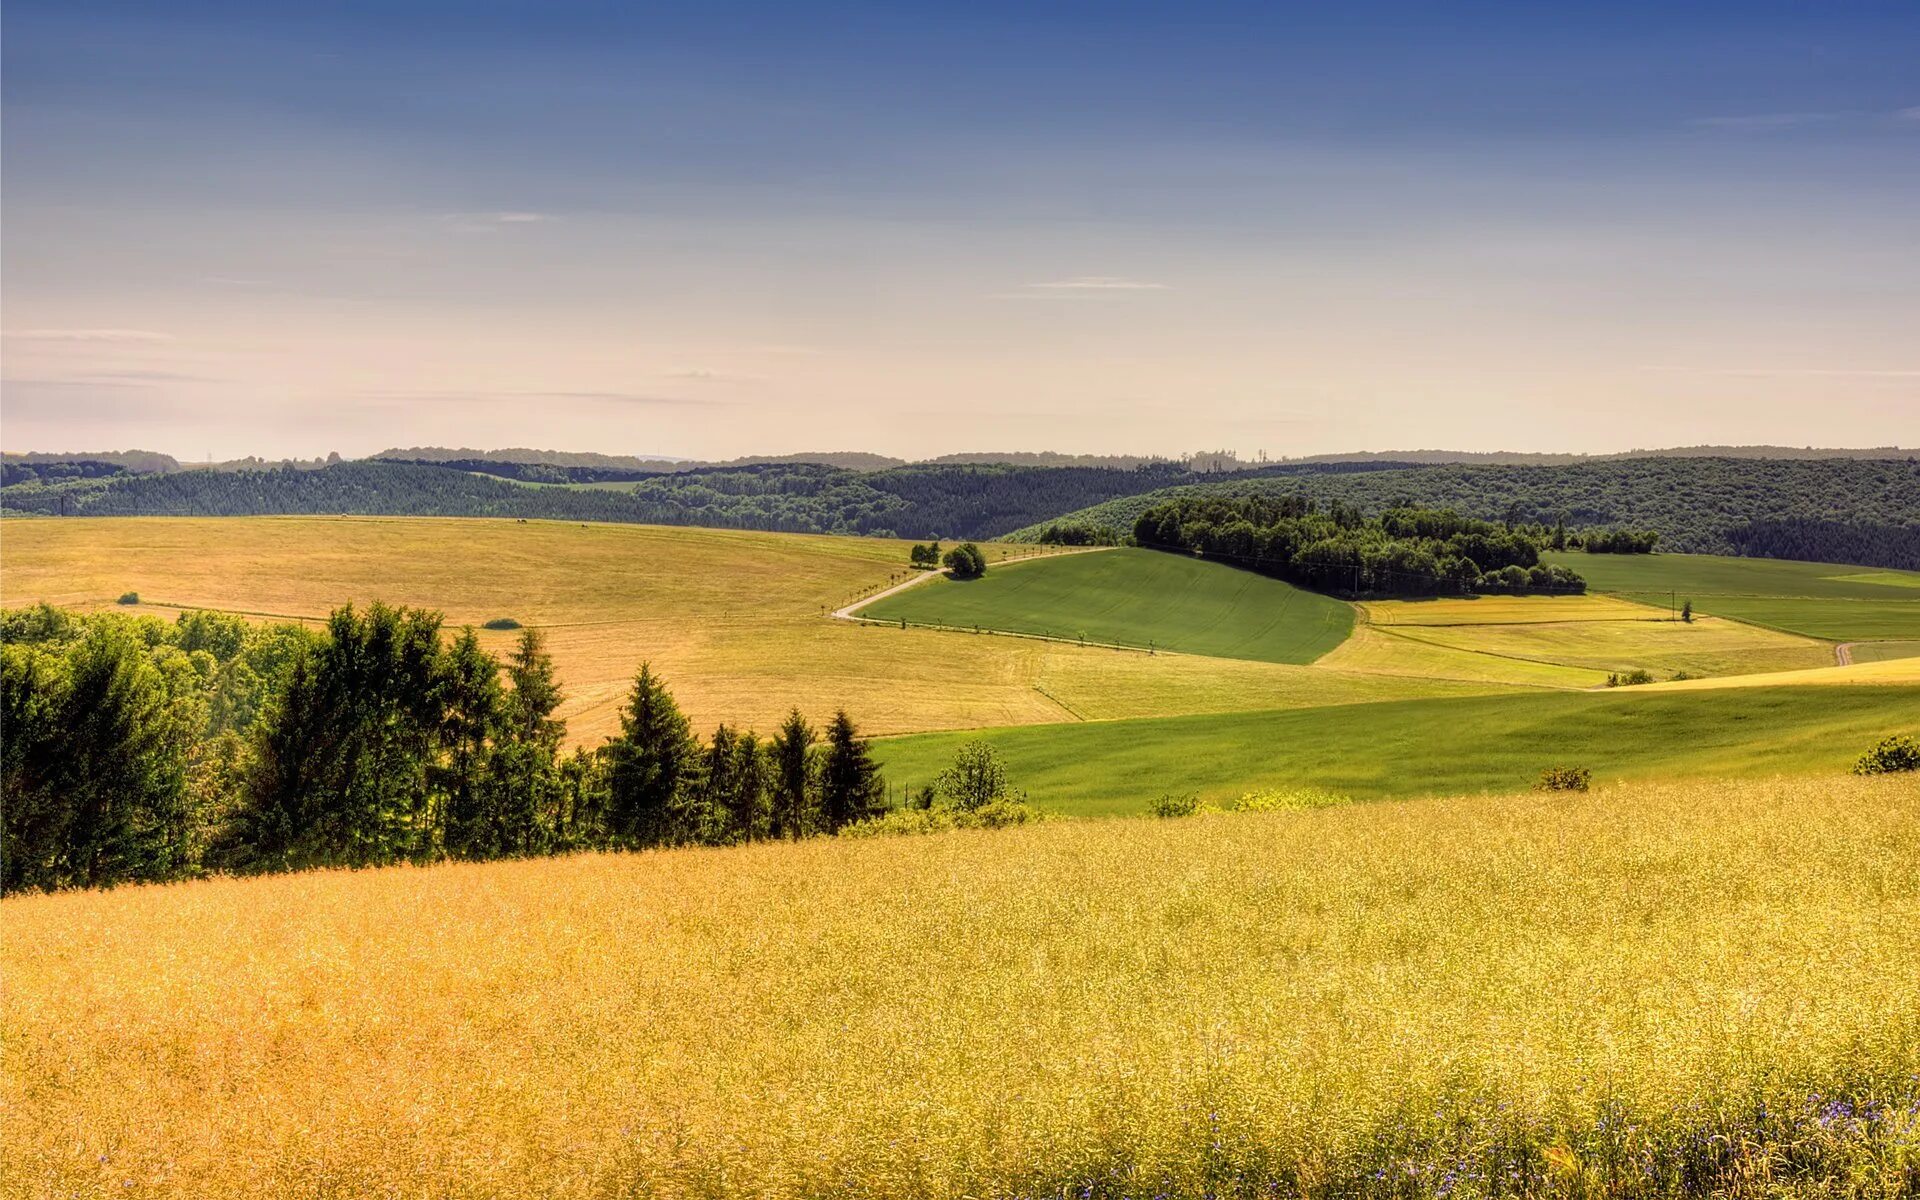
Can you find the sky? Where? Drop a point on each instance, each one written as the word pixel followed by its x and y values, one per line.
pixel 720 229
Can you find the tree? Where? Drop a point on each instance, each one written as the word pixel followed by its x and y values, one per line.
pixel 526 792
pixel 92 767
pixel 745 802
pixel 647 766
pixel 472 716
pixel 792 783
pixel 965 561
pixel 341 769
pixel 850 784
pixel 976 778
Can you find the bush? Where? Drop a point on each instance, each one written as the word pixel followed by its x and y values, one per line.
pixel 912 820
pixel 1629 678
pixel 129 598
pixel 502 623
pixel 1288 799
pixel 976 778
pixel 1183 804
pixel 1894 754
pixel 1563 779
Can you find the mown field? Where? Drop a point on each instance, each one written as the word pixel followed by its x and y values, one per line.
pixel 1135 598
pixel 735 620
pixel 1648 991
pixel 1821 600
pixel 1428 747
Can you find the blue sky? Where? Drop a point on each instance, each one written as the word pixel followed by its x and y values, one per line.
pixel 722 229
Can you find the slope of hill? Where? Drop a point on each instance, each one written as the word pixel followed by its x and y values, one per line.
pixel 736 621
pixel 1656 990
pixel 1135 598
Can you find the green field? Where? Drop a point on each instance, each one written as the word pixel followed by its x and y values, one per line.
pixel 1824 600
pixel 1867 652
pixel 1135 598
pixel 1430 747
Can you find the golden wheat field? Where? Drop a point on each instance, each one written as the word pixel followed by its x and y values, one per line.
pixel 1702 987
pixel 735 620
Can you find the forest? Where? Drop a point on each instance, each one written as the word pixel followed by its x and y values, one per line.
pixel 1864 511
pixel 1401 552
pixel 139 750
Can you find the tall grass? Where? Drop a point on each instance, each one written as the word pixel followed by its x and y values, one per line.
pixel 1642 991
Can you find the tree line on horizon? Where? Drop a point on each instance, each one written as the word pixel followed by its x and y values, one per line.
pixel 142 751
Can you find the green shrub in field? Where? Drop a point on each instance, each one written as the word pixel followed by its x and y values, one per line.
pixel 976 778
pixel 998 814
pixel 965 561
pixel 1288 799
pixel 1629 678
pixel 502 623
pixel 129 598
pixel 1564 779
pixel 1176 804
pixel 1897 753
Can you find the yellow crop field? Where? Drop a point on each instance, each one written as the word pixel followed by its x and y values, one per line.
pixel 1879 671
pixel 1586 637
pixel 1607 994
pixel 1507 610
pixel 735 620
pixel 1387 650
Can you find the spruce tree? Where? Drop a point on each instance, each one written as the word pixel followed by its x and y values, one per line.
pixel 850 785
pixel 648 765
pixel 792 784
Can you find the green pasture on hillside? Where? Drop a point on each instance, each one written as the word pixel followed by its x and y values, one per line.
pixel 1135 598
pixel 1428 747
pixel 1824 600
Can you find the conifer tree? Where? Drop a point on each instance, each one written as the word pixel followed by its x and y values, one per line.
pixel 850 785
pixel 793 778
pixel 648 766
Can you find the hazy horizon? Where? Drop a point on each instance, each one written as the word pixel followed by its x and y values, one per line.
pixel 713 231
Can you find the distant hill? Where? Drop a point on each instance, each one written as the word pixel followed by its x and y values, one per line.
pixel 143 462
pixel 852 460
pixel 1838 509
pixel 1523 458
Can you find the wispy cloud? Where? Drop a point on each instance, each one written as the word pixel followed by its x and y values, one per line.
pixel 700 375
pixel 1774 122
pixel 493 222
pixel 1099 283
pixel 1795 372
pixel 117 336
pixel 625 399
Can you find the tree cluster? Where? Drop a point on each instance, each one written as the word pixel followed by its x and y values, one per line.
pixel 138 750
pixel 925 558
pixel 1402 552
pixel 965 561
pixel 1616 541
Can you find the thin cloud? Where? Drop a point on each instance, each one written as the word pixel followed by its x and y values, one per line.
pixel 628 399
pixel 1099 283
pixel 98 336
pixel 1795 372
pixel 697 375
pixel 1766 121
pixel 1910 116
pixel 493 222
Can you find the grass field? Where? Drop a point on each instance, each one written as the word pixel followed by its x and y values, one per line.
pixel 736 621
pixel 1429 747
pixel 1867 652
pixel 1822 600
pixel 1700 988
pixel 1135 598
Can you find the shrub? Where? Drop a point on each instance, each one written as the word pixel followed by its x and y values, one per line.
pixel 1897 753
pixel 1629 678
pixel 1563 779
pixel 1172 804
pixel 912 820
pixel 1288 799
pixel 976 778
pixel 502 623
pixel 129 598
